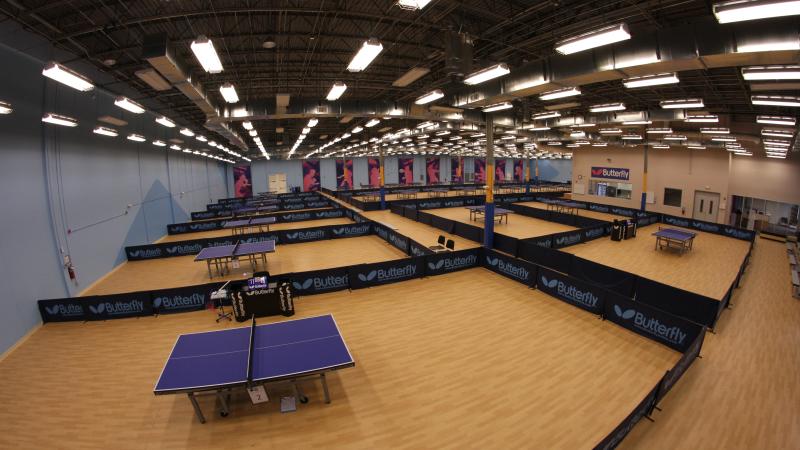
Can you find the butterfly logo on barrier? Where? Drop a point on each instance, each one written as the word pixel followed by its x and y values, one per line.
pixel 157 302
pixel 627 314
pixel 436 266
pixel 369 277
pixel 98 309
pixel 304 285
pixel 172 250
pixel 292 235
pixel 492 261
pixel 551 284
pixel 53 309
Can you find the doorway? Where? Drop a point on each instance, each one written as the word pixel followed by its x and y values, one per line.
pixel 706 206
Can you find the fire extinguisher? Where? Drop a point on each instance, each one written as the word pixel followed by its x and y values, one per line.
pixel 70 269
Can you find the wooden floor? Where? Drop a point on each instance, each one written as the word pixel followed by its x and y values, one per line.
pixel 184 271
pixel 518 226
pixel 421 233
pixel 582 212
pixel 744 393
pixel 708 269
pixel 275 226
pixel 466 360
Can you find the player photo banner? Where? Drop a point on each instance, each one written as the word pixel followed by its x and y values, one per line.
pixel 374 168
pixel 344 174
pixel 242 182
pixel 480 170
pixel 519 170
pixel 456 171
pixel 405 167
pixel 499 170
pixel 311 178
pixel 432 170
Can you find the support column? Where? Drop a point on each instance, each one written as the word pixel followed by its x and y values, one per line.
pixel 644 181
pixel 382 182
pixel 488 226
pixel 536 176
pixel 527 172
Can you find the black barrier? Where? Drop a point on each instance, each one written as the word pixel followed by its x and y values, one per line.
pixel 63 309
pixel 467 231
pixel 424 218
pixel 442 263
pixel 182 299
pixel 546 257
pixel 320 281
pixel 396 209
pixel 709 227
pixel 592 233
pixel 367 275
pixel 675 332
pixel 695 307
pixel 417 249
pixel 442 223
pixel 683 364
pixel 644 408
pixel 410 213
pixel 118 306
pixel 217 224
pixel 570 290
pixel 398 241
pixel 606 277
pixel 505 244
pixel 513 268
pixel 353 230
pixel 566 238
pixel 542 241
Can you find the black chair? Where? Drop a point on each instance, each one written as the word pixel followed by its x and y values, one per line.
pixel 438 248
pixel 450 245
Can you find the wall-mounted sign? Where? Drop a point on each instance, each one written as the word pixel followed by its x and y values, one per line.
pixel 611 173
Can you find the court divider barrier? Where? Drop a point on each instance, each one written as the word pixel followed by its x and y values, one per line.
pixel 332 212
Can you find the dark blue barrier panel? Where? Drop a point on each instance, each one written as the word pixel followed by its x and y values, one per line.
pixel 320 281
pixel 183 299
pixel 381 230
pixel 410 213
pixel 545 257
pixel 441 263
pixel 396 209
pixel 739 233
pixel 424 218
pixel 542 241
pixel 642 409
pixel 468 231
pixel 566 239
pixel 398 240
pixel 303 235
pixel 570 290
pixel 192 227
pixel 443 224
pixel 513 268
pixel 695 307
pixel 430 204
pixel 620 211
pixel 354 230
pixel 590 234
pixel 616 280
pixel 63 309
pixel 536 213
pixel 506 244
pixel 599 208
pixel 588 222
pixel 203 215
pixel 562 218
pixel 683 364
pixel 417 249
pixel 118 306
pixel 675 332
pixel 366 275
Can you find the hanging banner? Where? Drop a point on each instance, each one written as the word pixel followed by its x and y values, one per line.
pixel 499 169
pixel 242 182
pixel 480 170
pixel 374 168
pixel 519 170
pixel 406 170
pixel 311 181
pixel 456 171
pixel 344 174
pixel 432 170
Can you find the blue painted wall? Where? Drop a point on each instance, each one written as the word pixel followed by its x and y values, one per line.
pixel 68 191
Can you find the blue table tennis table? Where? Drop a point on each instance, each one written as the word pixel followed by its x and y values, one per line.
pixel 562 206
pixel 680 240
pixel 243 225
pixel 216 362
pixel 406 194
pixel 499 213
pixel 221 255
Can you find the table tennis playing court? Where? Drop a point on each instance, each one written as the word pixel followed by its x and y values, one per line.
pixel 518 226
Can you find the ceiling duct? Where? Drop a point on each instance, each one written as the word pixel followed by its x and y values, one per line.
pixel 457 53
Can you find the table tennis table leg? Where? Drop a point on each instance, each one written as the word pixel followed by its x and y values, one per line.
pixel 197 411
pixel 325 387
pixel 208 263
pixel 223 403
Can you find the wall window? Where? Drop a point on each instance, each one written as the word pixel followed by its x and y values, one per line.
pixel 672 197
pixel 610 189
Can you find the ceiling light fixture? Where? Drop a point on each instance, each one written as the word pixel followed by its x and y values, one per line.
pixel 206 55
pixel 136 137
pixel 105 131
pixel 659 130
pixel 596 38
pixel 546 115
pixel 336 91
pixel 776 120
pixel 488 73
pixel 163 120
pixel 129 105
pixel 771 73
pixel 312 122
pixel 777 133
pixel 702 118
pixel 431 96
pixel 5 108
pixel 366 54
pixel 610 131
pixel 498 107
pixel 715 130
pixel 685 103
pixel 631 137
pixel 742 10
pixel 607 107
pixel 228 91
pixel 775 100
pixel 412 4
pixel 371 123
pixel 560 93
pixel 158 143
pixel 57 119
pixel 65 76
pixel 651 80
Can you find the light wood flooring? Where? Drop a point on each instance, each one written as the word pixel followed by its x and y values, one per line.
pixel 274 226
pixel 708 269
pixel 466 360
pixel 424 234
pixel 184 271
pixel 518 226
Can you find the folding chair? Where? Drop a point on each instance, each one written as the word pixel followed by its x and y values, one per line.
pixel 440 247
pixel 450 245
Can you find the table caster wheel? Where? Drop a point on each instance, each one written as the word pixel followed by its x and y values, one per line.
pixel 304 399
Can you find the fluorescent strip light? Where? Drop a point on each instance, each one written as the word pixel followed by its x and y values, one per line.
pixel 560 93
pixel 776 156
pixel 771 73
pixel 228 92
pixel 610 131
pixel 136 137
pixel 336 91
pixel 129 105
pixel 206 55
pixel 774 46
pixel 538 128
pixel 742 10
pixel 365 55
pixel 163 120
pixel 777 133
pixel 599 144
pixel 187 132
pixel 65 76
pixel 776 142
pixel 723 139
pixel 372 123
pixel 697 147
pixel 776 120
pixel 659 130
pixel 57 119
pixel 489 73
pixel 715 130
pixel 651 80
pixel 583 125
pixel 546 115
pixel 674 138
pixel 638 122
pixel 498 107
pixel 178 147
pixel 631 137
pixel 247 125
pixel 775 100
pixel 554 143
pixel 411 76
pixel 702 118
pixel 356 130
pixel 312 122
pixel 201 138
pixel 577 134
pixel 5 108
pixel 607 107
pixel 158 143
pixel 661 146
pixel 105 131
pixel 596 38
pixel 682 103
pixel 431 96
pixel 252 133
pixel 412 4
